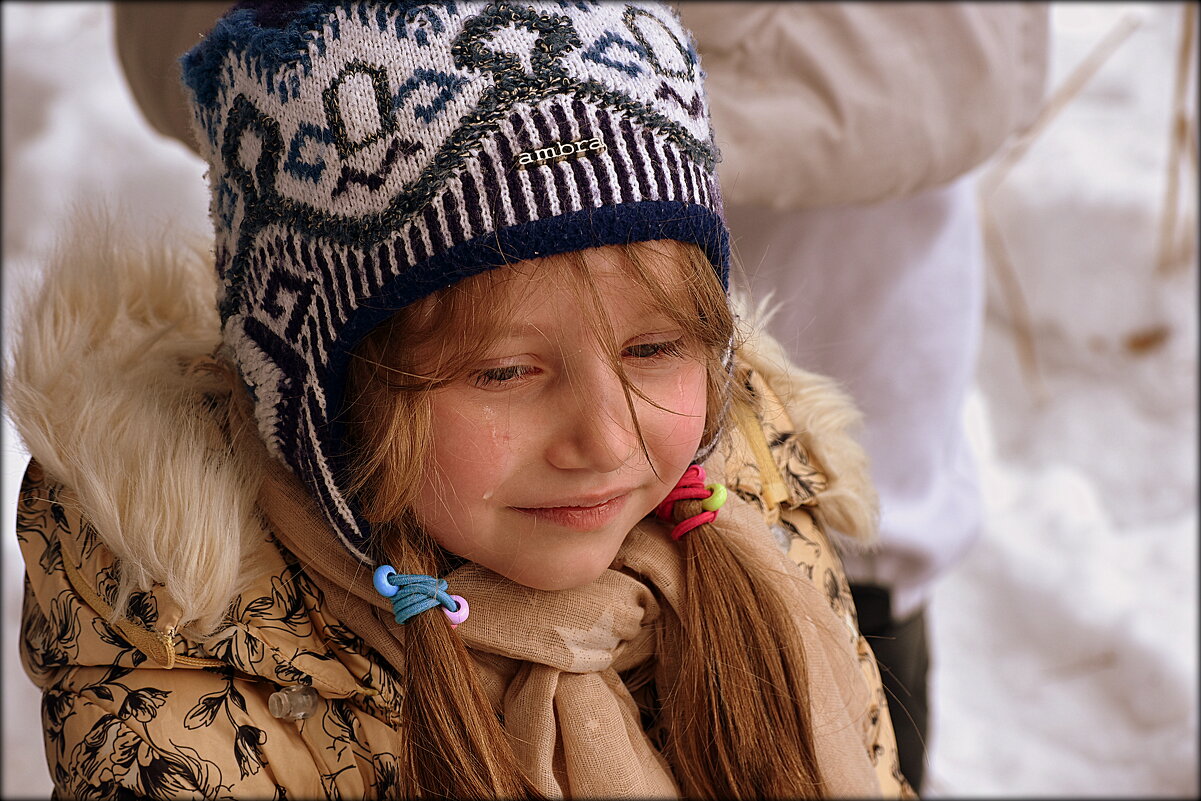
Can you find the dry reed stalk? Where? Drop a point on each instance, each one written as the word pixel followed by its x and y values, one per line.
pixel 1015 302
pixel 1064 94
pixel 1173 254
pixel 994 241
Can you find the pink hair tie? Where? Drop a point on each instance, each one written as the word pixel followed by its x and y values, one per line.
pixel 691 486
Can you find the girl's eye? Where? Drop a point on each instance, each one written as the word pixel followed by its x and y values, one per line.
pixel 500 375
pixel 652 350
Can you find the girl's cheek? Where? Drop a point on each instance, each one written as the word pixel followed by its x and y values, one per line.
pixel 691 390
pixel 683 402
pixel 488 441
pixel 494 426
pixel 472 445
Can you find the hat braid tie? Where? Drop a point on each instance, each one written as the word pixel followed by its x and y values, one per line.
pixel 692 486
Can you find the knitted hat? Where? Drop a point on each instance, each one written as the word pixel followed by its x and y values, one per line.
pixel 363 155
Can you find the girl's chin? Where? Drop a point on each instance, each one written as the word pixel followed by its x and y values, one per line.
pixel 550 577
pixel 546 585
pixel 542 556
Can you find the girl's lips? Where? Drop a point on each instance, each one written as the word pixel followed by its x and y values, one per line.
pixel 580 518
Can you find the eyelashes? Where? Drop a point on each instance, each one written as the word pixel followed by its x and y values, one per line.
pixel 501 375
pixel 644 352
pixel 652 350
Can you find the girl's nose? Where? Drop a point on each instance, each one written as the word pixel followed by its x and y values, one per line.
pixel 595 431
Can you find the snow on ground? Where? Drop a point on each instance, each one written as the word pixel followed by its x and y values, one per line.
pixel 1066 643
pixel 1065 646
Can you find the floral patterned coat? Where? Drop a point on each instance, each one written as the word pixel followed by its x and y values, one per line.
pixel 132 707
pixel 122 719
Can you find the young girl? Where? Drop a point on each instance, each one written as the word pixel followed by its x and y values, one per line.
pixel 469 488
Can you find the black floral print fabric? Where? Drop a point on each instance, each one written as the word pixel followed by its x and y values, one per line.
pixel 119 725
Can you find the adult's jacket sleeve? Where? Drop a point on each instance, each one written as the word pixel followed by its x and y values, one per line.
pixel 150 38
pixel 825 104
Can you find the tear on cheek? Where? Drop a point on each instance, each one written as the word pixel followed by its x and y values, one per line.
pixel 691 387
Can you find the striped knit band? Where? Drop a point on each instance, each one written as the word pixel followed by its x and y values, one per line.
pixel 363 155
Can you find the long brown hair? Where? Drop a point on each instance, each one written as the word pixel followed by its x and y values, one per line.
pixel 741 691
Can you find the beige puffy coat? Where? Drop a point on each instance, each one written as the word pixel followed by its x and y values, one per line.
pixel 108 390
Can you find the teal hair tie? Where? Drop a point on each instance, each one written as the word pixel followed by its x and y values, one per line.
pixel 414 593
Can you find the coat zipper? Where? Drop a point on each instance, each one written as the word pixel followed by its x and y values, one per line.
pixel 158 646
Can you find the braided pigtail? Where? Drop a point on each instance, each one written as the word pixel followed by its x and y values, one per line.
pixel 454 744
pixel 741 689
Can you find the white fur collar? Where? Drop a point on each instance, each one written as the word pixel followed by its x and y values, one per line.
pixel 96 391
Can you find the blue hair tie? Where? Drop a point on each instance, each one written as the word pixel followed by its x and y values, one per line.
pixel 412 594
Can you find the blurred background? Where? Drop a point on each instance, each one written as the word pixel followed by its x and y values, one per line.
pixel 1065 646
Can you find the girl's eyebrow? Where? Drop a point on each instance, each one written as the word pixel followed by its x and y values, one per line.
pixel 515 329
pixel 648 323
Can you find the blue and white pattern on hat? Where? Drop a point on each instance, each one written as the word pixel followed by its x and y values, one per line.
pixel 363 155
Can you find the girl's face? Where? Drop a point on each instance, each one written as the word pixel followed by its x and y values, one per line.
pixel 537 470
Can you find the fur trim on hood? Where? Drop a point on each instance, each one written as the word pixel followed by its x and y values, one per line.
pixel 827 422
pixel 98 388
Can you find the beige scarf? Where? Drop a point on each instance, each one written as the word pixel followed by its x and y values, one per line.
pixel 551 661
